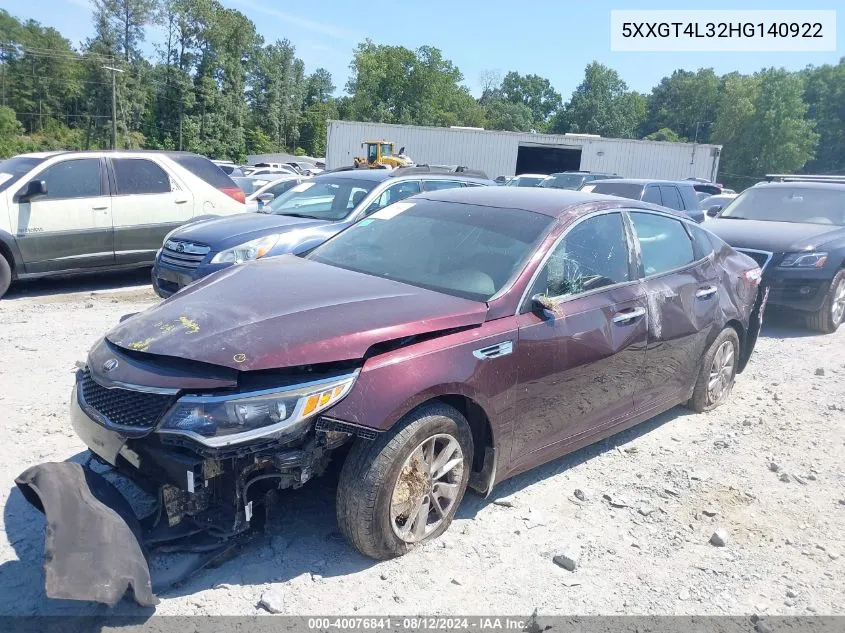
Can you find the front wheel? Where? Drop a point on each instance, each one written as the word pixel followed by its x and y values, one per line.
pixel 717 372
pixel 832 313
pixel 404 488
pixel 5 275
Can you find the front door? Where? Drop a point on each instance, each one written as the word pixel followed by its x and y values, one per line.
pixel 683 297
pixel 579 361
pixel 147 204
pixel 70 227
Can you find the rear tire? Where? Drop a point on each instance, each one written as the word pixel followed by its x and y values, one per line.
pixel 5 275
pixel 384 516
pixel 830 316
pixel 716 375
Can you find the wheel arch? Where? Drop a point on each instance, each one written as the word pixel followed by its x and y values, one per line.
pixel 744 347
pixel 9 250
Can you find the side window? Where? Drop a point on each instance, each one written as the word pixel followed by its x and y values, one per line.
pixel 652 194
pixel 395 193
pixel 700 241
pixel 671 197
pixel 664 244
pixel 280 188
pixel 73 179
pixel 592 255
pixel 139 175
pixel 434 185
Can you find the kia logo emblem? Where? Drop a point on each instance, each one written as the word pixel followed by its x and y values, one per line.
pixel 110 364
pixel 180 247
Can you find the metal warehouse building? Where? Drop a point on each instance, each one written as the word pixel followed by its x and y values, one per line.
pixel 510 153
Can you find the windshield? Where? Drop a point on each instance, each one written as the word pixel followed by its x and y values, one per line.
pixel 458 249
pixel 13 168
pixel 563 181
pixel 526 181
pixel 323 199
pixel 621 189
pixel 249 185
pixel 789 204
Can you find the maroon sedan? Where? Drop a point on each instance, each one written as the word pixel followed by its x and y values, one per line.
pixel 454 339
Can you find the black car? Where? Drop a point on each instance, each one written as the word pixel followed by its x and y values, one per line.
pixel 297 221
pixel 796 232
pixel 678 195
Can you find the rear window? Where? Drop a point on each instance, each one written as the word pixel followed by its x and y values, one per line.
pixel 203 168
pixel 13 168
pixel 621 189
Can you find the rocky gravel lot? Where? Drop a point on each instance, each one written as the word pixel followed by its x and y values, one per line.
pixel 738 511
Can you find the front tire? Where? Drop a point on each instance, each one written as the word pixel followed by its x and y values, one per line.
pixel 830 316
pixel 403 489
pixel 717 373
pixel 5 275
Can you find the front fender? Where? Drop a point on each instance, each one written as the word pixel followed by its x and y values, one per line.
pixel 10 245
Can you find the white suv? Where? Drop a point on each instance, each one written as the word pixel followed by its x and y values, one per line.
pixel 66 212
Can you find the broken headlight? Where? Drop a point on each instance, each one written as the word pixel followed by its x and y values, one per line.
pixel 235 418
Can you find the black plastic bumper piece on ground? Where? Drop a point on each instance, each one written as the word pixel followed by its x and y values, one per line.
pixel 93 539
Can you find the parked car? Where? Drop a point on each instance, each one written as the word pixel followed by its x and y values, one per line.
pixel 796 233
pixel 573 179
pixel 720 200
pixel 526 180
pixel 679 196
pixel 271 190
pixel 451 340
pixel 69 212
pixel 276 171
pixel 296 221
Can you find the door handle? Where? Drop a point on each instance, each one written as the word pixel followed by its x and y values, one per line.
pixel 99 208
pixel 628 315
pixel 706 292
pixel 180 200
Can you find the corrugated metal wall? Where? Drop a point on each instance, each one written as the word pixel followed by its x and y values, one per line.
pixel 496 152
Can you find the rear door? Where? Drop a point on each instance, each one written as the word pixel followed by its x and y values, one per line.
pixel 147 202
pixel 578 365
pixel 651 194
pixel 682 295
pixel 671 197
pixel 70 227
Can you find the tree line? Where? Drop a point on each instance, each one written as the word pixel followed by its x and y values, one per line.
pixel 215 87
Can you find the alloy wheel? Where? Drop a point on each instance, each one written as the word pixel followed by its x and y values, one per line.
pixel 427 487
pixel 837 307
pixel 721 372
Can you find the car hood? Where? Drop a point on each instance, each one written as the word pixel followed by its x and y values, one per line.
pixel 287 311
pixel 230 231
pixel 776 237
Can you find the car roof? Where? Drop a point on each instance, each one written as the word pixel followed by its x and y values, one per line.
pixel 801 184
pixel 381 175
pixel 646 181
pixel 531 176
pixel 551 202
pixel 582 173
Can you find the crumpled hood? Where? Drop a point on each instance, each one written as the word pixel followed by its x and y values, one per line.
pixel 222 233
pixel 287 311
pixel 776 237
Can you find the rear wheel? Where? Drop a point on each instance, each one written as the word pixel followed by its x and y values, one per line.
pixel 404 488
pixel 5 275
pixel 717 372
pixel 832 313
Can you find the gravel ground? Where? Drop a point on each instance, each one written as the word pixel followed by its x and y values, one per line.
pixel 633 515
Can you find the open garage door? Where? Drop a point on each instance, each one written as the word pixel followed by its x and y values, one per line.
pixel 547 159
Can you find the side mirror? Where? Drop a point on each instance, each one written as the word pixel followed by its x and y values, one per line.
pixel 713 211
pixel 541 304
pixel 34 189
pixel 265 197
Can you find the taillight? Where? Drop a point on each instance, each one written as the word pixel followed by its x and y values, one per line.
pixel 236 193
pixel 752 275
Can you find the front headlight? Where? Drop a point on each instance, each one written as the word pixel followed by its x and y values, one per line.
pixel 804 260
pixel 231 419
pixel 254 249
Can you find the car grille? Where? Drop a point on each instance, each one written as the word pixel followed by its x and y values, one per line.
pixel 121 407
pixel 183 254
pixel 761 257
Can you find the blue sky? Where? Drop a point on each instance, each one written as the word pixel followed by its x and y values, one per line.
pixel 552 38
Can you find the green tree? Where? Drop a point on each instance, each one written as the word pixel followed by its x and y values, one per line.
pixel 532 91
pixel 601 104
pixel 664 134
pixel 128 20
pixel 318 87
pixel 506 115
pixel 11 133
pixel 825 98
pixel 682 102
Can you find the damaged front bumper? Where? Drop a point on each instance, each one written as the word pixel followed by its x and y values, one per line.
pixel 97 548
